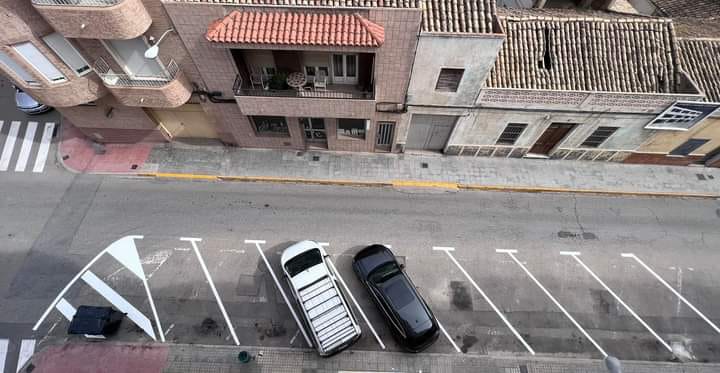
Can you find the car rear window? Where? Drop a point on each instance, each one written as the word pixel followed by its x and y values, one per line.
pixel 303 261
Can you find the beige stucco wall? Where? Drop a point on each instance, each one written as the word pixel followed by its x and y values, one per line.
pixel 666 141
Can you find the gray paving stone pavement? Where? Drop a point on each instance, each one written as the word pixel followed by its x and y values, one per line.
pixel 379 167
pixel 201 359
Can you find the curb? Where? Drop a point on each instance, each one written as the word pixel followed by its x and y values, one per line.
pixel 422 184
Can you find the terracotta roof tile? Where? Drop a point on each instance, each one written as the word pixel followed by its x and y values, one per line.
pixel 594 52
pixel 290 28
pixel 701 60
pixel 688 8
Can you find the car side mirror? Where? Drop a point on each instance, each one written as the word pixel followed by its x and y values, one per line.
pixel 402 265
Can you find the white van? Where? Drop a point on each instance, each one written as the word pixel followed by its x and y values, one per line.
pixel 325 310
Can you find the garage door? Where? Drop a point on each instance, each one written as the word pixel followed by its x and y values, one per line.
pixel 429 132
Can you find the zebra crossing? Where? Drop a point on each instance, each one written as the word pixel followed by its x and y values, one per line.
pixel 27 348
pixel 25 146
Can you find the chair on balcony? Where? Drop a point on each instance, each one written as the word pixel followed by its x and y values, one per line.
pixel 320 81
pixel 258 78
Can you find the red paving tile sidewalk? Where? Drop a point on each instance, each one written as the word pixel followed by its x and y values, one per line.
pixel 99 357
pixel 79 155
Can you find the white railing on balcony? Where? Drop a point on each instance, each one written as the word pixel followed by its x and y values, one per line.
pixel 77 2
pixel 124 80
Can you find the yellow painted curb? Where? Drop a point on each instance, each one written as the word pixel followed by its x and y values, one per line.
pixel 424 184
pixel 162 175
pixel 274 179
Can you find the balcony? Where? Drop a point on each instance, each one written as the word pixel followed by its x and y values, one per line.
pixel 171 89
pixel 311 83
pixel 96 19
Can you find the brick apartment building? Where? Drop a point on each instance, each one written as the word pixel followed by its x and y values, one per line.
pixel 455 76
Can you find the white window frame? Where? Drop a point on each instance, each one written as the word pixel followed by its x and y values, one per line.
pixel 61 79
pixel 660 123
pixel 17 66
pixel 72 50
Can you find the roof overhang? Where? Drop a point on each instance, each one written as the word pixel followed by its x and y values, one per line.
pixel 296 29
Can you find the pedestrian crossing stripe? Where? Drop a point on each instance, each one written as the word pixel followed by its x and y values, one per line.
pixel 20 141
pixel 27 349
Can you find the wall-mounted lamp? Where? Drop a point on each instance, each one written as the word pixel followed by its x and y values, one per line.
pixel 153 51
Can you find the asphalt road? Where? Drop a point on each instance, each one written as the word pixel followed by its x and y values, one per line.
pixel 54 223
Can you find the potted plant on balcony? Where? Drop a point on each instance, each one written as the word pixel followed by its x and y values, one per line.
pixel 278 82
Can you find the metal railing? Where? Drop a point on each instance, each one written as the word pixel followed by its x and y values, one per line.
pixel 239 90
pixel 124 80
pixel 98 3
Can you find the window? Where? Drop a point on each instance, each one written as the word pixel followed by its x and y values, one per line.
pixel 270 126
pixel 38 60
pixel 303 261
pixel 67 53
pixel 17 69
pixel 449 80
pixel 598 137
pixel 511 133
pixel 681 116
pixel 351 128
pixel 314 128
pixel 688 146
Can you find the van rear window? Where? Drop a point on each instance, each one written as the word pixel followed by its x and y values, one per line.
pixel 303 261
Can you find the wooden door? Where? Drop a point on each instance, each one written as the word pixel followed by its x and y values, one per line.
pixel 551 137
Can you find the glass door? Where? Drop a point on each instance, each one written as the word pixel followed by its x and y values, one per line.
pixel 315 133
pixel 345 69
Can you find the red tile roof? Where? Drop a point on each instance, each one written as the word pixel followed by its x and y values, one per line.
pixel 289 28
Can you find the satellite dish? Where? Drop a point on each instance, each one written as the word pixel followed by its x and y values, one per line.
pixel 152 52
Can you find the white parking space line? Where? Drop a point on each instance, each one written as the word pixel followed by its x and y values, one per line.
pixel 575 255
pixel 257 244
pixel 9 145
pixel 193 241
pixel 447 251
pixel 118 301
pixel 357 305
pixel 44 147
pixel 511 253
pixel 27 143
pixel 662 281
pixel 66 309
pixel 3 351
pixel 27 348
pixel 442 328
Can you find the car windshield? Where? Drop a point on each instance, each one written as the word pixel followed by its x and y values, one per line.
pixel 303 261
pixel 384 273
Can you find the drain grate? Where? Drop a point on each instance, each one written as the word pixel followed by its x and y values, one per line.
pixel 315 158
pixel 424 165
pixel 700 176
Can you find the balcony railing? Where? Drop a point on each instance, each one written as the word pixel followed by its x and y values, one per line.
pixel 98 3
pixel 123 80
pixel 307 92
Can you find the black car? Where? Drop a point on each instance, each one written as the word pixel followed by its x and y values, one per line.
pixel 406 313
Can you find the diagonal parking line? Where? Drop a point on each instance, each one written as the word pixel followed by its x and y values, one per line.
pixel 447 251
pixel 442 328
pixel 372 329
pixel 575 255
pixel 193 241
pixel 257 244
pixel 511 253
pixel 662 281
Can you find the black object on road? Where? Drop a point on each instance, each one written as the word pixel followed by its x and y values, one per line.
pixel 92 320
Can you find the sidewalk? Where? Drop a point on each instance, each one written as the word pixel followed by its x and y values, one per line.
pixel 111 357
pixel 216 162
